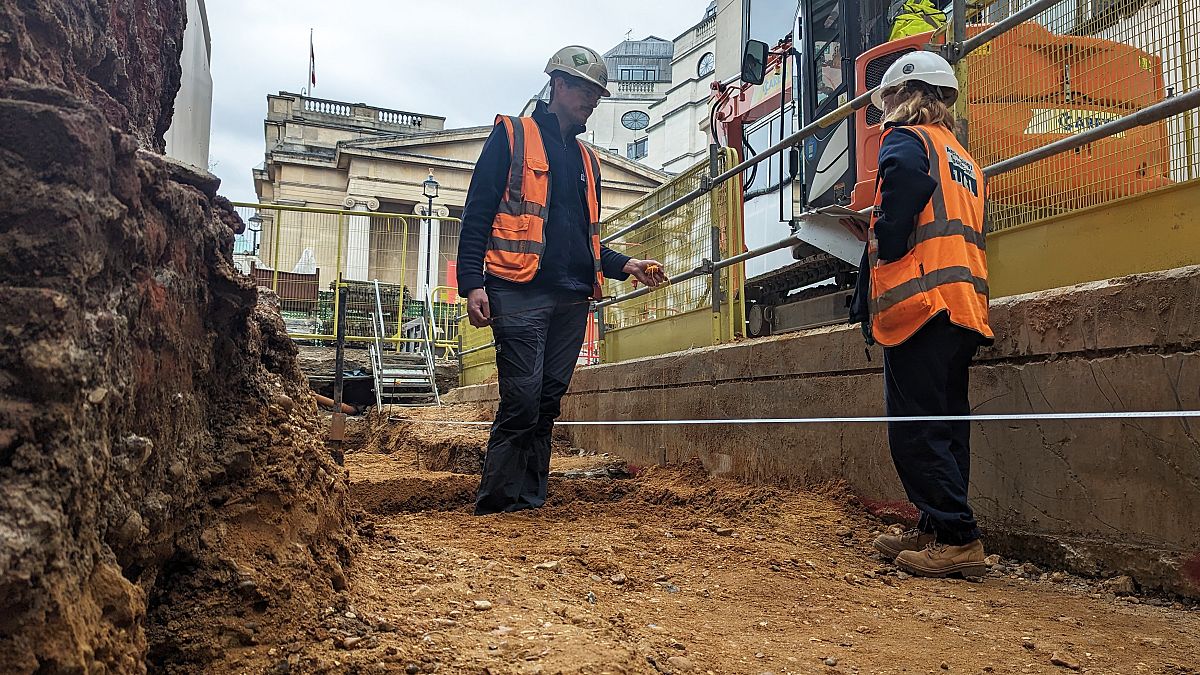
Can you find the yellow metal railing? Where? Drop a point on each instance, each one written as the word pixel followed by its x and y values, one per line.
pixel 1078 65
pixel 448 307
pixel 300 252
pixel 680 315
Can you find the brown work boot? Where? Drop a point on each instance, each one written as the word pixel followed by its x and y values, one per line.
pixel 890 545
pixel 941 560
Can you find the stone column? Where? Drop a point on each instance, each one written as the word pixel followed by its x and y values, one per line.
pixel 429 249
pixel 356 248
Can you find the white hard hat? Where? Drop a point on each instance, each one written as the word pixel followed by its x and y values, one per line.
pixel 922 66
pixel 581 62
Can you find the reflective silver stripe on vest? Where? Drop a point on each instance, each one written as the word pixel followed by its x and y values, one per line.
pixel 516 167
pixel 516 246
pixel 927 282
pixel 594 228
pixel 945 228
pixel 511 208
pixel 591 156
pixel 935 172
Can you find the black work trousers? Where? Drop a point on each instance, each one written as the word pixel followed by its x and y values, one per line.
pixel 538 335
pixel 927 375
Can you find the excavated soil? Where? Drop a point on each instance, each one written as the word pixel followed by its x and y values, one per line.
pixel 671 571
pixel 161 469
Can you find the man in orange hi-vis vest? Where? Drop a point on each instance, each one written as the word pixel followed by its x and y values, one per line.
pixel 530 262
pixel 923 295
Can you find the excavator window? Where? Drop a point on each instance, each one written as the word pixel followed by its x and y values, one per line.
pixel 827 49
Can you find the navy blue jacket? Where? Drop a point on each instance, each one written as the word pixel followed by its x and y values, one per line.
pixel 566 264
pixel 905 188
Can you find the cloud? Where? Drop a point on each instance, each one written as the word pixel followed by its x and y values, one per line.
pixel 465 60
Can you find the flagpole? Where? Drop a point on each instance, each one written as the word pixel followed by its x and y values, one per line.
pixel 312 64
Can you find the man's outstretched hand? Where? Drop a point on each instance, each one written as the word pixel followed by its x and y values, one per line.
pixel 648 272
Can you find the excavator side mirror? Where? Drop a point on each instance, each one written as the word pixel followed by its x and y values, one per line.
pixel 754 62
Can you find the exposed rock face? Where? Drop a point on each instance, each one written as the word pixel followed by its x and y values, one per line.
pixel 121 55
pixel 159 454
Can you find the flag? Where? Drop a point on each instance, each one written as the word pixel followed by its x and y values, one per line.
pixel 312 61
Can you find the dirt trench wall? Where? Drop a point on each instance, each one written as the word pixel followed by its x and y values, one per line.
pixel 120 55
pixel 159 468
pixel 1096 496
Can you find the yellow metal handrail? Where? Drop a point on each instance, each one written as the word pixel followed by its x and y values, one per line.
pixel 376 242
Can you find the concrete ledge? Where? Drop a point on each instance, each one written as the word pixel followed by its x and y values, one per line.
pixel 1095 496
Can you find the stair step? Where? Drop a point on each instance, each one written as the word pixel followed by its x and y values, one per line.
pixel 397 372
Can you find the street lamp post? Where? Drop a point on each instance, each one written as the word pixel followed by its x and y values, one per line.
pixel 430 189
pixel 254 224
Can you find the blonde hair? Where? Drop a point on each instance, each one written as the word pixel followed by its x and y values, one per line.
pixel 921 103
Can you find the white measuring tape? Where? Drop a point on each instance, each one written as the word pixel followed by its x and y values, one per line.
pixel 1151 414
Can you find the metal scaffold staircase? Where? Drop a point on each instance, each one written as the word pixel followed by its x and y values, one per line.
pixel 404 375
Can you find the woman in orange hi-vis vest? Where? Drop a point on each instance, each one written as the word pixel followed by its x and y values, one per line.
pixel 927 293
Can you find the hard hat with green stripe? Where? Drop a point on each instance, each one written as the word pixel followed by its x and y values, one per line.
pixel 581 62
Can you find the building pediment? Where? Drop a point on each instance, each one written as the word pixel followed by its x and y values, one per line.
pixel 462 146
pixel 407 142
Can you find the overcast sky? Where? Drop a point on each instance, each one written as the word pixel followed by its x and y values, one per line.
pixel 465 60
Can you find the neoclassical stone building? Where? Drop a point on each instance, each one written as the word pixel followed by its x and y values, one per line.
pixel 336 155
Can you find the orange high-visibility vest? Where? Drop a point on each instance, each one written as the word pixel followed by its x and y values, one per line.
pixel 518 231
pixel 945 268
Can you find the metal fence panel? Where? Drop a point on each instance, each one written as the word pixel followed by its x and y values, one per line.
pixel 300 253
pixel 477 355
pixel 1080 64
pixel 680 315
